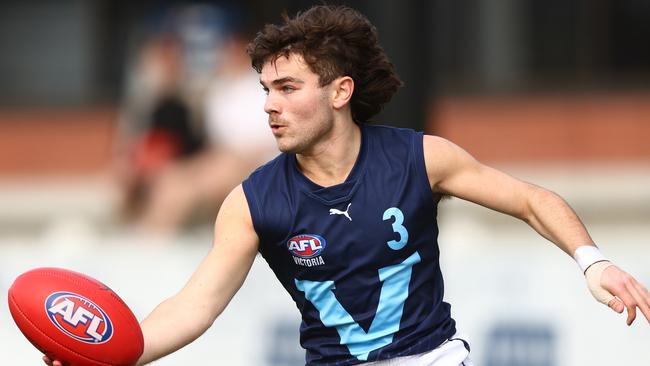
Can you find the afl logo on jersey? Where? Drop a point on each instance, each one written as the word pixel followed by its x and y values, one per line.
pixel 306 245
pixel 78 317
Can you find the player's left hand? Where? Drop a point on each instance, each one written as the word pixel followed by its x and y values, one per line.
pixel 618 290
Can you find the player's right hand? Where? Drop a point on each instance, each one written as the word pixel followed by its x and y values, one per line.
pixel 50 362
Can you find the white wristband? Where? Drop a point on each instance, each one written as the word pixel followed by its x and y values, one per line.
pixel 587 255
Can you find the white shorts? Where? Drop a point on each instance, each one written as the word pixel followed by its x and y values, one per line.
pixel 451 353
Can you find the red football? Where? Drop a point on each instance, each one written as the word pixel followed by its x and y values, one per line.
pixel 74 318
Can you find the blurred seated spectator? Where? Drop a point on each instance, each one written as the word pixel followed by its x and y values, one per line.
pixel 171 174
pixel 155 125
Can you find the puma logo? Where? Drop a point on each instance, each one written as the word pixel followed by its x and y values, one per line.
pixel 334 211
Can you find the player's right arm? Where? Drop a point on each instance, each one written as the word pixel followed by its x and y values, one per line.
pixel 182 318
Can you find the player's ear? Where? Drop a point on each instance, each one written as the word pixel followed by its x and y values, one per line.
pixel 342 89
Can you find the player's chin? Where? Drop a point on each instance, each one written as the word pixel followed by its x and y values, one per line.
pixel 286 146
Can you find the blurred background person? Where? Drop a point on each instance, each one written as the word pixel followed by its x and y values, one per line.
pixel 155 128
pixel 237 141
pixel 204 128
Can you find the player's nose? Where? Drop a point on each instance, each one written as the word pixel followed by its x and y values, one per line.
pixel 271 104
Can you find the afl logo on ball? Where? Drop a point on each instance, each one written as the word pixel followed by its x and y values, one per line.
pixel 306 245
pixel 78 317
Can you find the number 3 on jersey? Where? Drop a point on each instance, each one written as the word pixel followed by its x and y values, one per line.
pixel 395 281
pixel 398 227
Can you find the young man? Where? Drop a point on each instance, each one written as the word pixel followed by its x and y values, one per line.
pixel 346 215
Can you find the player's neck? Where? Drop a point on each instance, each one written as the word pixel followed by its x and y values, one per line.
pixel 331 161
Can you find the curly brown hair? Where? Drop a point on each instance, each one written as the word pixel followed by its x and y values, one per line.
pixel 334 41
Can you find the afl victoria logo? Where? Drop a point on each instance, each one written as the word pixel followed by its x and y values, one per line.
pixel 78 317
pixel 306 245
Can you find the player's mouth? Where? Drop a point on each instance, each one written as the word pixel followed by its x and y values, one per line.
pixel 277 128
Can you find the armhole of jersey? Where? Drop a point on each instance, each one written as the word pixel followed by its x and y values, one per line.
pixel 418 160
pixel 253 206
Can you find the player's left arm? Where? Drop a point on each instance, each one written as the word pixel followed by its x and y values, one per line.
pixel 452 171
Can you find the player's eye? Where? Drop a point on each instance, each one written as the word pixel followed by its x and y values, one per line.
pixel 266 90
pixel 288 89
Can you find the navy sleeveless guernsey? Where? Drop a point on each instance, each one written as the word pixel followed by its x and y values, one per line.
pixel 360 259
